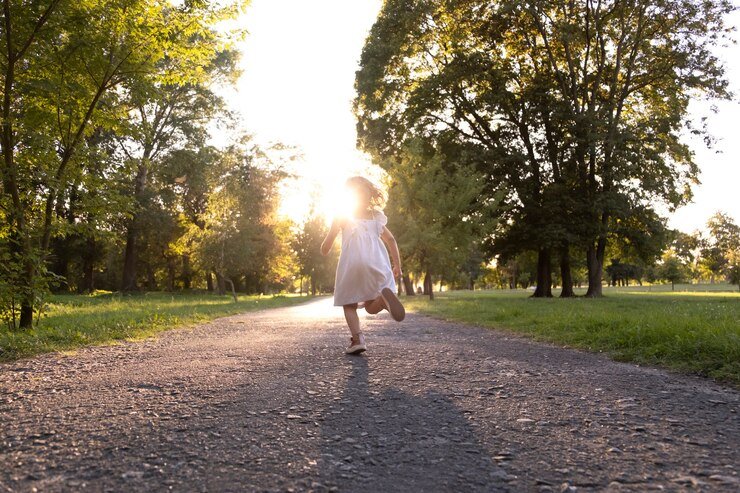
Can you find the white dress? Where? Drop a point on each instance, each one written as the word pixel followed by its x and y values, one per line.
pixel 364 267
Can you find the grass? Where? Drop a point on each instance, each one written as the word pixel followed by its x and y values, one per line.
pixel 73 321
pixel 690 331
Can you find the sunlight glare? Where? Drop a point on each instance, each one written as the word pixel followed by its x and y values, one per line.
pixel 330 199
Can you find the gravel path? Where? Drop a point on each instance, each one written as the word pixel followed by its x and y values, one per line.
pixel 268 402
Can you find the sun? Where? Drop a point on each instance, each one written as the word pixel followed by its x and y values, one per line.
pixel 317 186
pixel 303 197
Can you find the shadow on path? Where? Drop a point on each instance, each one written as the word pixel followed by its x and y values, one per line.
pixel 376 438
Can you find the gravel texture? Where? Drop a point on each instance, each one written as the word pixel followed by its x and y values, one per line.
pixel 267 401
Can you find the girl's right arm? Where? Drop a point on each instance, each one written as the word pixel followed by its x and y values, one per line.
pixel 330 237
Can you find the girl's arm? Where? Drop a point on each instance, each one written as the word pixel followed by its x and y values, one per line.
pixel 390 242
pixel 330 237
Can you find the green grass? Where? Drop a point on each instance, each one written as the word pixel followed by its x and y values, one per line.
pixel 690 331
pixel 73 321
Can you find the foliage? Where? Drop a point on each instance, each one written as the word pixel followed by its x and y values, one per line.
pixel 238 234
pixel 577 108
pixel 318 269
pixel 434 210
pixel 721 244
pixel 733 267
pixel 69 71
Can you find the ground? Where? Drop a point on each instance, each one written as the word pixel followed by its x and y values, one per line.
pixel 267 401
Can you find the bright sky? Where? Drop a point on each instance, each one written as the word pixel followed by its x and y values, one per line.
pixel 299 63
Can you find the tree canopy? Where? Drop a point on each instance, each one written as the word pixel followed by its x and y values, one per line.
pixel 576 109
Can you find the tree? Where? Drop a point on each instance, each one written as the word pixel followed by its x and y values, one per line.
pixel 66 67
pixel 306 243
pixel 434 210
pixel 733 267
pixel 238 234
pixel 686 246
pixel 621 273
pixel 171 110
pixel 723 239
pixel 577 107
pixel 672 269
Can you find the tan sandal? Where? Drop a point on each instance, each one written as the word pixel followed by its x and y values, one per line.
pixel 394 305
pixel 356 348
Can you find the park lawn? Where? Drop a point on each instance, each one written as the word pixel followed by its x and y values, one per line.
pixel 74 321
pixel 695 332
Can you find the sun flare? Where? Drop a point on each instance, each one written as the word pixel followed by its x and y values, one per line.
pixel 303 198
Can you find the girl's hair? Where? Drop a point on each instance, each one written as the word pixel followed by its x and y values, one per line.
pixel 377 197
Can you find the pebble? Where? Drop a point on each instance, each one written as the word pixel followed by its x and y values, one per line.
pixel 726 480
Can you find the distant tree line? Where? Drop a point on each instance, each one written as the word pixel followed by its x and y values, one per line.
pixel 539 133
pixel 710 256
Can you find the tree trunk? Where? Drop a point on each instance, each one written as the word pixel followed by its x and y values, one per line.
pixel 151 281
pixel 209 282
pixel 130 259
pixel 313 285
pixel 428 285
pixel 544 275
pixel 87 285
pixel 595 264
pixel 187 272
pixel 170 273
pixel 27 299
pixel 16 216
pixel 220 284
pixel 233 291
pixel 565 274
pixel 130 256
pixel 408 285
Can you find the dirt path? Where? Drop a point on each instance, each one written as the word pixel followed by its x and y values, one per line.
pixel 268 402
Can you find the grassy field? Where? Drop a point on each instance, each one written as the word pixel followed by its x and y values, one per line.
pixel 695 331
pixel 73 321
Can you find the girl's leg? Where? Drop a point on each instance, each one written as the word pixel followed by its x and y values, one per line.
pixel 375 306
pixel 350 314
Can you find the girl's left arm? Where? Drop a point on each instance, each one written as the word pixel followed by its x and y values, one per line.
pixel 390 242
pixel 330 237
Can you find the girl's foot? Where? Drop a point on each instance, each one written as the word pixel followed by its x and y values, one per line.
pixel 356 346
pixel 398 312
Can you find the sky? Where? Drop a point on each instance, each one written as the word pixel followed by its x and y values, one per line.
pixel 299 61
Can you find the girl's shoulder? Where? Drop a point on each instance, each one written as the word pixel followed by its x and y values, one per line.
pixel 380 217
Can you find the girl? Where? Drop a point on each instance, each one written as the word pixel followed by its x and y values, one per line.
pixel 364 273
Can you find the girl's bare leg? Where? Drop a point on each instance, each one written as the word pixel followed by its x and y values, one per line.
pixel 375 306
pixel 350 314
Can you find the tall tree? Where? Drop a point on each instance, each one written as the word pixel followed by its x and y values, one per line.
pixel 577 107
pixel 672 269
pixel 171 110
